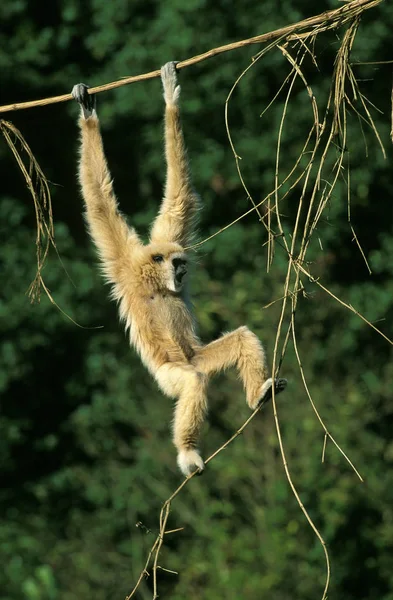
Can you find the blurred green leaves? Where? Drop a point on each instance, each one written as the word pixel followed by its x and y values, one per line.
pixel 84 432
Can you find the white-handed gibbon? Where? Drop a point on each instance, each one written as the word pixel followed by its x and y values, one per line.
pixel 149 280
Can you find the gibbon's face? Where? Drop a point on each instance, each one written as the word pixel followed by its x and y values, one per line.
pixel 164 267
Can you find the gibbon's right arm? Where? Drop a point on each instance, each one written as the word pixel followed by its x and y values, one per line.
pixel 176 220
pixel 108 228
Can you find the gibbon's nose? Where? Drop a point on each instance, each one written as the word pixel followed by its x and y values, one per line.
pixel 178 262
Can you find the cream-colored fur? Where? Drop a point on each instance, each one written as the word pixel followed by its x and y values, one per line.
pixel 149 281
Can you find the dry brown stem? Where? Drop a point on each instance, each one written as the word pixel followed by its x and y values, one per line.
pixel 327 20
pixel 317 181
pixel 164 514
pixel 38 186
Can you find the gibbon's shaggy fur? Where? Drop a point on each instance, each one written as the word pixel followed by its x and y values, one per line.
pixel 149 281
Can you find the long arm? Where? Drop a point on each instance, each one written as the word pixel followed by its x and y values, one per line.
pixel 111 234
pixel 176 219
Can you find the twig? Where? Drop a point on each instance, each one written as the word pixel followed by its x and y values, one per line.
pixel 391 118
pixel 38 187
pixel 165 510
pixel 287 293
pixel 331 19
pixel 314 211
pixel 327 433
pixel 340 301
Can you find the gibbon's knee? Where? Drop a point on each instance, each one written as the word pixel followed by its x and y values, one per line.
pixel 248 338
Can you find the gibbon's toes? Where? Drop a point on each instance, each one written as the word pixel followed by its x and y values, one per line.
pixel 169 82
pixel 190 461
pixel 279 386
pixel 84 99
pixel 266 391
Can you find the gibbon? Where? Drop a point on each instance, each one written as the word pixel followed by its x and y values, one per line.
pixel 149 281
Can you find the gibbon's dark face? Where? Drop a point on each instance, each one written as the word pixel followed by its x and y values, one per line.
pixel 164 267
pixel 173 269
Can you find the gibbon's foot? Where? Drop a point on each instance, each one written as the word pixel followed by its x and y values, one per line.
pixel 189 461
pixel 279 386
pixel 169 83
pixel 86 101
pixel 266 391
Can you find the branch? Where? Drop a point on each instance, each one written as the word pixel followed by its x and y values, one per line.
pixel 164 514
pixel 329 19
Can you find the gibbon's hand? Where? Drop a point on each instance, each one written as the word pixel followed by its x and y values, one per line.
pixel 86 101
pixel 169 83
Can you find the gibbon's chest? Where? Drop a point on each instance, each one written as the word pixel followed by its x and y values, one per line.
pixel 162 329
pixel 169 315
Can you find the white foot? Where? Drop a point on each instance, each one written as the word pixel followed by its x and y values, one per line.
pixel 190 461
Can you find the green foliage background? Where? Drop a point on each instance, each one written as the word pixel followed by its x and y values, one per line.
pixel 84 432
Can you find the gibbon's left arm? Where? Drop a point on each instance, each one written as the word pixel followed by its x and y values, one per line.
pixel 112 236
pixel 176 219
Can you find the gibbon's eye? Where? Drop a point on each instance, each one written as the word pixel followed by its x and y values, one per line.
pixel 157 258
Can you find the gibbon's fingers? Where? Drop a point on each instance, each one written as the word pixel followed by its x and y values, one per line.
pixel 279 386
pixel 86 101
pixel 169 83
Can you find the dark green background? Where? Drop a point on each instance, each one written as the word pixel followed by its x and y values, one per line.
pixel 84 432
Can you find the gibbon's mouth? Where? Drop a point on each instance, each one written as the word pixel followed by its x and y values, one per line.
pixel 179 275
pixel 180 270
pixel 178 282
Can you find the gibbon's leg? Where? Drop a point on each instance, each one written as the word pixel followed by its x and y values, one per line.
pixel 185 383
pixel 240 348
pixel 176 219
pixel 109 231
